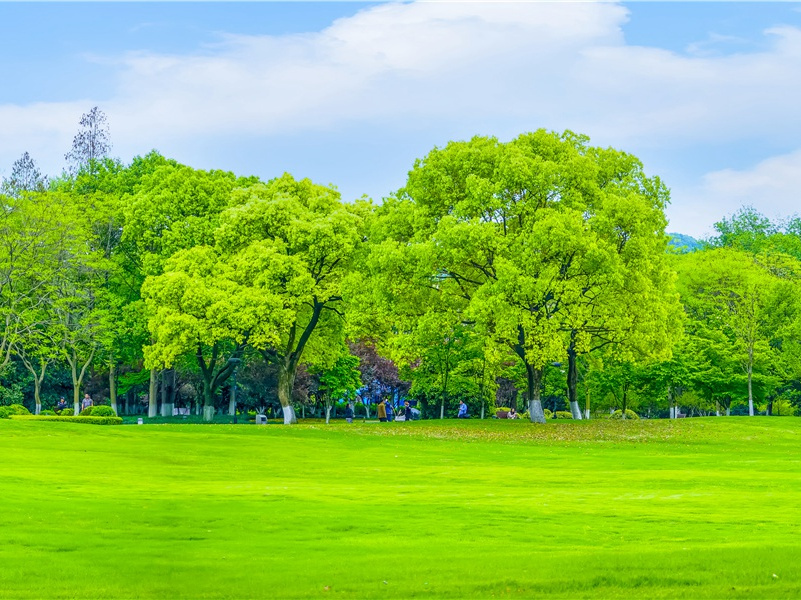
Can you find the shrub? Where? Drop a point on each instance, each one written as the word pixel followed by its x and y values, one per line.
pixel 563 414
pixel 4 412
pixel 102 411
pixel 67 412
pixel 630 414
pixel 13 409
pixel 73 419
pixel 548 413
pixel 47 412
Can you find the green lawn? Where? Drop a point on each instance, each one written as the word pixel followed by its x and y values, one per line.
pixel 694 508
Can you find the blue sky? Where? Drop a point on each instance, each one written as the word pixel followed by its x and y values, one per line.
pixel 350 93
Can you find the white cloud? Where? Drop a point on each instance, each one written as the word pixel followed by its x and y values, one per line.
pixel 773 187
pixel 434 70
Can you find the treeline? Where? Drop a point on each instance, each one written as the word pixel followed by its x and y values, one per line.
pixel 533 274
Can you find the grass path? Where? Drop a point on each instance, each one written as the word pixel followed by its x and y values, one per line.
pixel 695 508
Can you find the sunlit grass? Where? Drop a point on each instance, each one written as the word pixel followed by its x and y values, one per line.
pixel 659 509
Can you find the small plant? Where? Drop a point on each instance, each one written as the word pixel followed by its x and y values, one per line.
pixel 48 413
pixel 67 412
pixel 548 413
pixel 563 414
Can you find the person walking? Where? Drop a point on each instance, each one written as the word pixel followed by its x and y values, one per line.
pixel 407 411
pixel 462 410
pixel 87 402
pixel 349 412
pixel 382 411
pixel 390 412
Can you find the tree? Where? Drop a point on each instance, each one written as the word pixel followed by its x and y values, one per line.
pixel 91 143
pixel 728 292
pixel 518 239
pixel 295 242
pixel 25 177
pixel 338 381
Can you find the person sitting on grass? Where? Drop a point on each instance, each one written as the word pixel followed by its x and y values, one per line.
pixel 462 410
pixel 513 414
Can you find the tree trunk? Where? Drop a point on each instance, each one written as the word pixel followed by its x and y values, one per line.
pixel 37 388
pixel 750 391
pixel 442 409
pixel 112 385
pixel 151 394
pixel 327 411
pixel 76 388
pixel 534 379
pixel 208 401
pixel 285 381
pixel 482 408
pixel 572 378
pixel 164 409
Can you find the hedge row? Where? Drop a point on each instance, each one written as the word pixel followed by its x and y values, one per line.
pixel 78 419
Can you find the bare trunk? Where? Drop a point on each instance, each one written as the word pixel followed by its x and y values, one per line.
pixel 112 385
pixel 208 402
pixel 482 409
pixel 327 411
pixel 534 379
pixel 151 394
pixel 442 409
pixel 750 392
pixel 285 381
pixel 37 388
pixel 572 378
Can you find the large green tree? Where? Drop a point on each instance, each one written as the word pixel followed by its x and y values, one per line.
pixel 533 242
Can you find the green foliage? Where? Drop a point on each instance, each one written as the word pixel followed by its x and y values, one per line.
pixel 102 411
pixel 67 412
pixel 48 412
pixel 562 414
pixel 630 414
pixel 90 420
pixel 548 414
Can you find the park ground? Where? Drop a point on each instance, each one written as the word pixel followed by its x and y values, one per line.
pixel 690 508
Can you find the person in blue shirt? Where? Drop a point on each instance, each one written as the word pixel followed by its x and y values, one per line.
pixel 462 410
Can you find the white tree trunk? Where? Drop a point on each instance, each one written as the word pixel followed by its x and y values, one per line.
pixel 166 409
pixel 672 412
pixel 575 410
pixel 327 413
pixel 442 410
pixel 151 394
pixel 289 415
pixel 535 412
pixel 208 413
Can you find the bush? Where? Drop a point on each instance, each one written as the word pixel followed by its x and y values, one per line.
pixel 86 412
pixel 563 414
pixel 102 411
pixel 79 419
pixel 548 413
pixel 47 412
pixel 630 414
pixel 67 412
pixel 13 409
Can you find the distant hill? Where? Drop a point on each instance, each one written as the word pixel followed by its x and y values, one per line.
pixel 684 243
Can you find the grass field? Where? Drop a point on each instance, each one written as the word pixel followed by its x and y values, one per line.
pixel 694 508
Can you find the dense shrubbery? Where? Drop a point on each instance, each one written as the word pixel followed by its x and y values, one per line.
pixel 563 414
pixel 93 420
pixel 13 409
pixel 103 411
pixel 630 414
pixel 67 412
pixel 548 413
pixel 48 413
